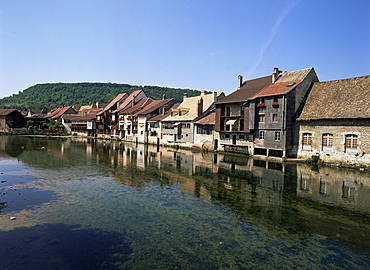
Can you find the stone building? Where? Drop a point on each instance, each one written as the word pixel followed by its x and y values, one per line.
pixel 335 122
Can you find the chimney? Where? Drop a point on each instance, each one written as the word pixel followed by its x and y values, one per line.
pixel 214 96
pixel 240 81
pixel 275 74
pixel 133 102
pixel 200 107
pixel 185 96
pixel 202 93
pixel 164 96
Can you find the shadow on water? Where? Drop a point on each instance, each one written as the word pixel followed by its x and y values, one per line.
pixel 60 246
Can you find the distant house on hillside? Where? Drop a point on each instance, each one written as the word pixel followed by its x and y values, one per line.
pixel 335 122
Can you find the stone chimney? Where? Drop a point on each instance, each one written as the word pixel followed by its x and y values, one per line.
pixel 200 107
pixel 133 102
pixel 275 74
pixel 164 96
pixel 240 81
pixel 185 96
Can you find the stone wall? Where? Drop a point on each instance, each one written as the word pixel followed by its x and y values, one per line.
pixel 339 129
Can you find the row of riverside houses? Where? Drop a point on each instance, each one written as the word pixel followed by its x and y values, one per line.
pixel 284 115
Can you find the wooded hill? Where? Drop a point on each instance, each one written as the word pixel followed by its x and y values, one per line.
pixel 54 95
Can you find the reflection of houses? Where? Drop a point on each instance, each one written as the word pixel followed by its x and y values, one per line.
pixel 348 189
pixel 179 126
pixel 335 122
pixel 272 112
pixel 11 118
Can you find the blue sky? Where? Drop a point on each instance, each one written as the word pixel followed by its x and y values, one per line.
pixel 197 44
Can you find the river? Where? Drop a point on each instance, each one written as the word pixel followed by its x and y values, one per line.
pixel 70 203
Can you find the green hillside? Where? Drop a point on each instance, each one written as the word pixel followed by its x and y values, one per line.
pixel 53 95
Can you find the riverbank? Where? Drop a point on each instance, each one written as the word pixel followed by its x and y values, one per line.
pixel 319 162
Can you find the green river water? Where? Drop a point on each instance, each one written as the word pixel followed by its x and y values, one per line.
pixel 68 203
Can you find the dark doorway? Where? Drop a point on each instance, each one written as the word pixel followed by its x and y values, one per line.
pixel 234 139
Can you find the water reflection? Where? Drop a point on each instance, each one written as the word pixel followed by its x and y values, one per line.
pixel 290 205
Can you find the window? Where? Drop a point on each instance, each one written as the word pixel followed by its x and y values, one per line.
pixel 205 129
pixel 241 137
pixel 351 142
pixel 274 118
pixel 261 118
pixel 227 111
pixel 262 135
pixel 277 136
pixel 305 182
pixel 348 191
pixel 307 141
pixel 327 142
pixel 227 136
pixel 324 186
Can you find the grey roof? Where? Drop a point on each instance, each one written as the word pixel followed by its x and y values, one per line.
pixel 249 89
pixel 340 99
pixel 293 75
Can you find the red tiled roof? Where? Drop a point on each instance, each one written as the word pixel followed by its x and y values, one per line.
pixel 153 106
pixel 58 112
pixel 51 114
pixel 128 100
pixel 114 101
pixel 277 89
pixel 138 106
